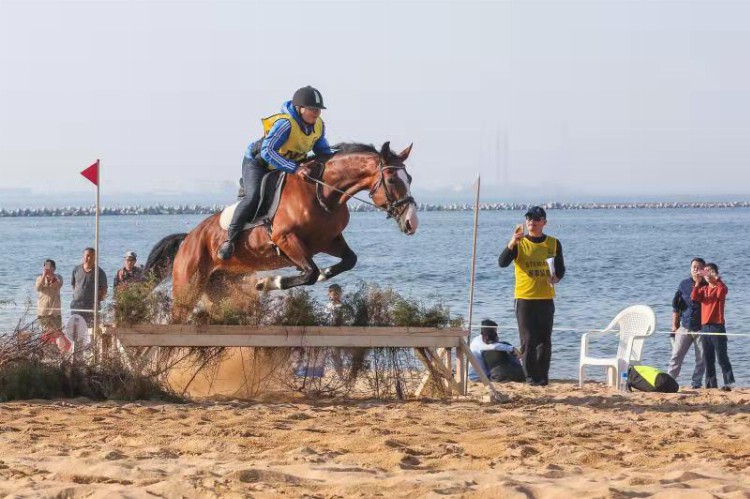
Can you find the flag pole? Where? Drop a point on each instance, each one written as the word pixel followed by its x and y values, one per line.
pixel 95 336
pixel 473 270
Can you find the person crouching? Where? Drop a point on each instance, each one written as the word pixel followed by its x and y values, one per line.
pixel 498 359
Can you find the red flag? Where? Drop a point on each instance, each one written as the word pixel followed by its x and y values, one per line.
pixel 92 173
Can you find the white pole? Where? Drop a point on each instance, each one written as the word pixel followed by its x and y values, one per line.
pixel 473 268
pixel 95 335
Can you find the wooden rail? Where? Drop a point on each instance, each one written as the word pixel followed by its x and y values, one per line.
pixel 433 346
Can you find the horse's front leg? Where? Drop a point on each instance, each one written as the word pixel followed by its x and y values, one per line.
pixel 300 256
pixel 339 249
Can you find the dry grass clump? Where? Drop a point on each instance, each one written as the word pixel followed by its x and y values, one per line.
pixel 140 303
pixel 376 306
pixel 382 372
pixel 31 366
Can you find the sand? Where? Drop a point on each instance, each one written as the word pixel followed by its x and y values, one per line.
pixel 558 441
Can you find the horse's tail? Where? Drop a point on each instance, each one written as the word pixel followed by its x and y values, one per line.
pixel 160 260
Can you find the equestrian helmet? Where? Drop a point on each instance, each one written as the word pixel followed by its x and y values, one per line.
pixel 308 97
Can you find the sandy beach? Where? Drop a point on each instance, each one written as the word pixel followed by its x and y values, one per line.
pixel 555 442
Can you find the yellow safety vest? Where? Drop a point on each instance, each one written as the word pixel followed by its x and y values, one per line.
pixel 299 143
pixel 532 271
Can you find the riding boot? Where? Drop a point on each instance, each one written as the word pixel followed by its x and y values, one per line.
pixel 226 250
pixel 252 175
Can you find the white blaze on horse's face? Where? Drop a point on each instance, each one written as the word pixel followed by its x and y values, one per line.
pixel 408 220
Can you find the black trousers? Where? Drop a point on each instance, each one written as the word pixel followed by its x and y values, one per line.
pixel 535 319
pixel 716 347
pixel 252 175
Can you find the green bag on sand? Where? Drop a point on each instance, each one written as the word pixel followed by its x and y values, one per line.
pixel 651 379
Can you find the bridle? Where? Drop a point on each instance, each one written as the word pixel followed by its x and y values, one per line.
pixel 391 204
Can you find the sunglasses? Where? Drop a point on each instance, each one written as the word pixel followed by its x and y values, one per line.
pixel 535 218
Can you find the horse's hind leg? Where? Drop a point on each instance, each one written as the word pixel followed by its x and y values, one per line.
pixel 300 256
pixel 340 249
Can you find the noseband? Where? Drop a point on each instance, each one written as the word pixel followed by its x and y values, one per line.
pixel 392 204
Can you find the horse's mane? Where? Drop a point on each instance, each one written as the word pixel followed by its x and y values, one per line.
pixel 354 147
pixel 347 148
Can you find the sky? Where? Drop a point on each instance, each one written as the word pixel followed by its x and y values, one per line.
pixel 555 99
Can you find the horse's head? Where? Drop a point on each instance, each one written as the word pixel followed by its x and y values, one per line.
pixel 391 189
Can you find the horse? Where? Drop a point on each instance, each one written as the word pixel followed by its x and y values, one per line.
pixel 310 219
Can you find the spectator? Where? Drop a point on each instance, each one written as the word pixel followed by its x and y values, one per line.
pixel 686 322
pixel 48 287
pixel 336 312
pixel 535 291
pixel 498 359
pixel 712 299
pixel 129 272
pixel 340 314
pixel 83 287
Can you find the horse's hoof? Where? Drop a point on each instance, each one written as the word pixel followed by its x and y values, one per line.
pixel 268 284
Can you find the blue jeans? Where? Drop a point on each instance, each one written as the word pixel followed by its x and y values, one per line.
pixel 715 346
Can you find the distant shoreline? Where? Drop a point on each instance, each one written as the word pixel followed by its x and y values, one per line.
pixel 85 211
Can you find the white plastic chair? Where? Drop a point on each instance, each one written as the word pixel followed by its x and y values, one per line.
pixel 633 325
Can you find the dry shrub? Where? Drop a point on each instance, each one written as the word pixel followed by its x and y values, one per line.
pixel 382 372
pixel 376 306
pixel 140 303
pixel 32 367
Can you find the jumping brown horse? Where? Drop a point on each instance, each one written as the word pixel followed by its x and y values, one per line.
pixel 306 223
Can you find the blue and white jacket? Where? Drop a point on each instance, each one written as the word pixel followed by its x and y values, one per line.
pixel 279 134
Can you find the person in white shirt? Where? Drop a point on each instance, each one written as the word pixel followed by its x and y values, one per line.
pixel 498 359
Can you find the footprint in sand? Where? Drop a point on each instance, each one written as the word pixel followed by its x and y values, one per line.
pixel 456 489
pixel 682 477
pixel 253 475
pixel 113 455
pixel 393 443
pixel 410 462
pixel 300 416
pixel 310 455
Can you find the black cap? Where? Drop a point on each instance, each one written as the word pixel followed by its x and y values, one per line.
pixel 489 331
pixel 308 97
pixel 536 211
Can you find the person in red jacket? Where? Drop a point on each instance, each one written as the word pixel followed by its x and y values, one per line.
pixel 712 299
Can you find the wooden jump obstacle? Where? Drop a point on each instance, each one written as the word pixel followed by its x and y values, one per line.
pixel 434 347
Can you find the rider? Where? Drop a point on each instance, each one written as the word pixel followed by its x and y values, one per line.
pixel 288 138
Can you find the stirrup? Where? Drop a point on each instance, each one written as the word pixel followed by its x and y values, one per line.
pixel 226 250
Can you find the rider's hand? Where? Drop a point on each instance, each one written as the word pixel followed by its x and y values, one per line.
pixel 305 168
pixel 303 171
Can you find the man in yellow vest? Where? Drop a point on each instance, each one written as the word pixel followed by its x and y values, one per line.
pixel 287 139
pixel 535 291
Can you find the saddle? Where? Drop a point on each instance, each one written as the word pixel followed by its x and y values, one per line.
pixel 270 195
